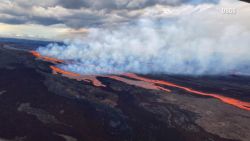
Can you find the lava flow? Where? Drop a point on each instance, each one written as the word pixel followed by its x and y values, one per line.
pixel 86 78
pixel 58 70
pixel 46 58
pixel 228 100
pixel 96 82
pixel 92 78
pixel 140 82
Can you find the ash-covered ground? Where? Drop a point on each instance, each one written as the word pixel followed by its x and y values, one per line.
pixel 38 105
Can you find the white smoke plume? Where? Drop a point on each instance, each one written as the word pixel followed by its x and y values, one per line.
pixel 201 40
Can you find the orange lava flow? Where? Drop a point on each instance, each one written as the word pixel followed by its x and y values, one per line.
pixel 142 84
pixel 228 100
pixel 58 70
pixel 86 78
pixel 49 59
pixel 96 82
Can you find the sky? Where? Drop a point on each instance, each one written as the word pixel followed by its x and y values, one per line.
pixel 63 19
pixel 146 36
pixel 160 36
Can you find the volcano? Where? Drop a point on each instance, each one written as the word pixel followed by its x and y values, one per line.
pixel 41 101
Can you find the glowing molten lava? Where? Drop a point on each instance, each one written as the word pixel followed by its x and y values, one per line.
pixel 228 100
pixel 96 82
pixel 86 78
pixel 140 82
pixel 58 70
pixel 49 59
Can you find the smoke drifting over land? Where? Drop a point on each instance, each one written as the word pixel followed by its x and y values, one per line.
pixel 203 41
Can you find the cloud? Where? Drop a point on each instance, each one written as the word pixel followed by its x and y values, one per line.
pixel 82 13
pixel 204 41
pixel 126 4
pixel 55 32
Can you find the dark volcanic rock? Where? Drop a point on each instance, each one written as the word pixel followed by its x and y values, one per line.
pixel 37 105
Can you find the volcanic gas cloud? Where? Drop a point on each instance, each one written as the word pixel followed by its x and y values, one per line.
pixel 199 43
pixel 204 41
pixel 141 82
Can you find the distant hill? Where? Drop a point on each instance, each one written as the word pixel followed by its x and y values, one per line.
pixel 26 43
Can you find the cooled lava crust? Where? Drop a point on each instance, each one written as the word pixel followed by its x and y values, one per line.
pixel 39 104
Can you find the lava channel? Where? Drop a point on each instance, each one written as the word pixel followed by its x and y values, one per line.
pixel 228 100
pixel 46 58
pixel 96 82
pixel 87 78
pixel 140 82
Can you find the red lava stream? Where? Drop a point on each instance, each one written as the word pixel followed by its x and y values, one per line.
pixel 86 78
pixel 49 59
pixel 228 100
pixel 140 82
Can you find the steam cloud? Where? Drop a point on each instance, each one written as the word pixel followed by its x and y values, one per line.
pixel 203 41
